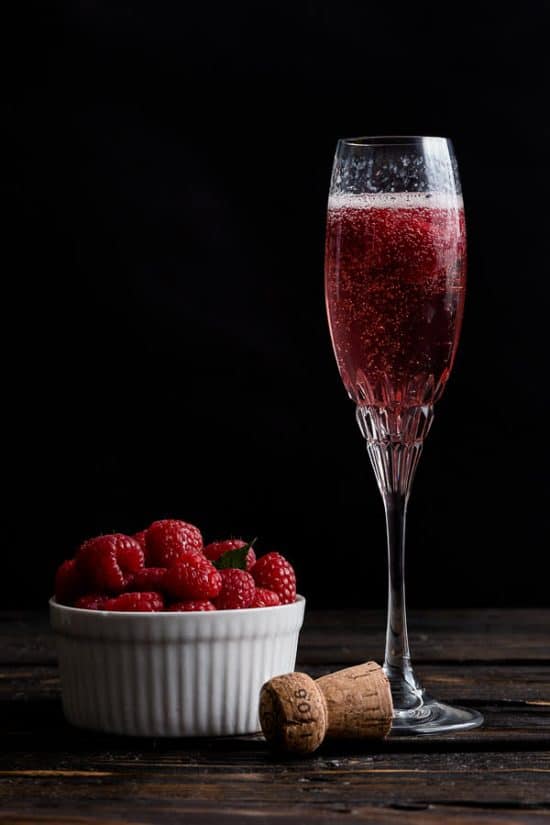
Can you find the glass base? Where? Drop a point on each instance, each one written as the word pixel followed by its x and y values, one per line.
pixel 415 712
pixel 434 717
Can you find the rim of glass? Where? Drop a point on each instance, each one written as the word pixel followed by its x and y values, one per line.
pixel 389 140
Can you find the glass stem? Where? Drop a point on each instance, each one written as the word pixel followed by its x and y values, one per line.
pixel 394 443
pixel 397 659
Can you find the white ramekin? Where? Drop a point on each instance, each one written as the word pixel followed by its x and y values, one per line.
pixel 171 674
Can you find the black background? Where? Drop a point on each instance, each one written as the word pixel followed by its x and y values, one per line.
pixel 166 349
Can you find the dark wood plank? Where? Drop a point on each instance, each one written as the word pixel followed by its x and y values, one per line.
pixel 524 685
pixel 252 781
pixel 516 702
pixel 344 637
pixel 28 683
pixel 53 773
pixel 168 812
pixel 481 683
pixel 26 638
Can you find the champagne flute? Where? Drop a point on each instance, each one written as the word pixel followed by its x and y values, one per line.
pixel 395 274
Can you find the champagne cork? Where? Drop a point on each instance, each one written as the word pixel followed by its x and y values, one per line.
pixel 297 712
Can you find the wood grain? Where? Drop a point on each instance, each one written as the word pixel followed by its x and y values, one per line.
pixel 497 661
pixel 333 636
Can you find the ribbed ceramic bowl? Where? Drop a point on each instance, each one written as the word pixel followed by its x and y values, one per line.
pixel 172 674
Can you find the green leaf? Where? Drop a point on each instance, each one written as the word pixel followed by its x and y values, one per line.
pixel 234 558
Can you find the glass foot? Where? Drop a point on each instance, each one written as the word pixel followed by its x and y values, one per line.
pixel 415 712
pixel 434 717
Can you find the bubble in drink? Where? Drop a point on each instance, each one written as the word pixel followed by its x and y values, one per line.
pixel 395 282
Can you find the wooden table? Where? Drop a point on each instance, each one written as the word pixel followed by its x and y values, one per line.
pixel 497 661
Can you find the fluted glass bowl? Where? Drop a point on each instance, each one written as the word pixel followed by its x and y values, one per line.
pixel 172 674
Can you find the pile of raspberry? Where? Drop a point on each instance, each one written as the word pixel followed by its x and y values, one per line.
pixel 167 567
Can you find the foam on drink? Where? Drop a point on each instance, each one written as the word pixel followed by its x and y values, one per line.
pixel 395 200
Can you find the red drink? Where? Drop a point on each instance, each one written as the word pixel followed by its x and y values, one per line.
pixel 395 283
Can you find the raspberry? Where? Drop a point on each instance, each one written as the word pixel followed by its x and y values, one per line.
pixel 68 583
pixel 237 590
pixel 136 602
pixel 214 550
pixel 94 601
pixel 192 577
pixel 131 558
pixel 140 538
pixel 148 578
pixel 166 540
pixel 194 606
pixel 274 572
pixel 265 598
pixel 105 561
